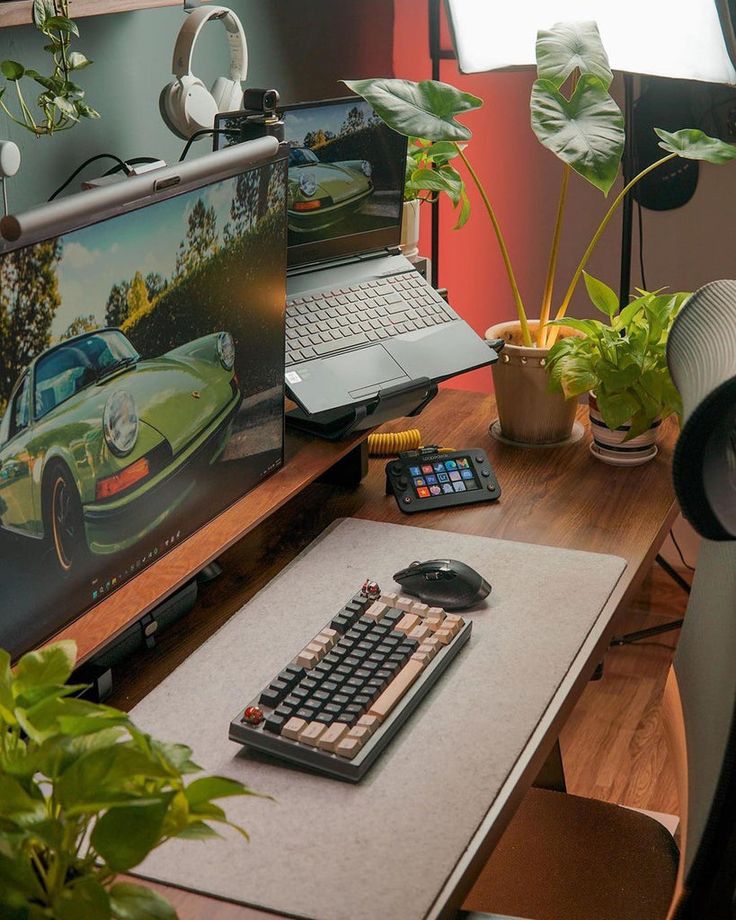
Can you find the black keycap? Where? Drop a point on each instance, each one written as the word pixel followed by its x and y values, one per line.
pixel 340 651
pixel 362 674
pixel 408 646
pixel 320 695
pixel 340 699
pixel 359 653
pixel 274 724
pixel 329 685
pixel 384 649
pixel 353 710
pixel 396 635
pixel 353 634
pixel 388 671
pixel 351 690
pixel 353 682
pixel 342 669
pixel 323 668
pixel 391 641
pixel 331 659
pixel 309 683
pixel 397 657
pixel 338 679
pixel 291 675
pixel 324 717
pixel 305 712
pixel 352 662
pixel 333 709
pixel 269 697
pixel 300 693
pixel 340 623
pixel 378 658
pixel 292 701
pixel 380 630
pixel 393 615
pixel 363 626
pixel 366 645
pixel 283 710
pixel 363 699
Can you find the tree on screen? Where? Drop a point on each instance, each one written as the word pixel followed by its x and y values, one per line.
pixel 244 206
pixel 354 121
pixel 116 308
pixel 138 299
pixel 79 325
pixel 155 284
pixel 200 242
pixel 29 299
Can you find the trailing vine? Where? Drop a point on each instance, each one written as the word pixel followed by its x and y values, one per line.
pixel 61 100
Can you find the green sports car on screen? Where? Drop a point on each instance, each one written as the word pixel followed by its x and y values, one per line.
pixel 321 194
pixel 94 440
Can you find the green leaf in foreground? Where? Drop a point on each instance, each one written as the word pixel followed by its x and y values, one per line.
pixel 693 144
pixel 585 131
pixel 601 295
pixel 133 902
pixel 426 109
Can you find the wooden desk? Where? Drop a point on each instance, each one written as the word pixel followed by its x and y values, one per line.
pixel 561 497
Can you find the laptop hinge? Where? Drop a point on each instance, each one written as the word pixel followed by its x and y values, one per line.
pixel 347 260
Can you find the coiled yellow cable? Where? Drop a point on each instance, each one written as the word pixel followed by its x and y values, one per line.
pixel 394 442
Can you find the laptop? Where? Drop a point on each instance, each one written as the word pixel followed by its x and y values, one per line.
pixel 361 321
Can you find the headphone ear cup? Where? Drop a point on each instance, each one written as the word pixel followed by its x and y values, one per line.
pixel 167 108
pixel 228 94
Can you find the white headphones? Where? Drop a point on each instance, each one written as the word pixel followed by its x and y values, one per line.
pixel 186 104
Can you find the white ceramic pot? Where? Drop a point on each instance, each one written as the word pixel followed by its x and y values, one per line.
pixel 609 445
pixel 410 229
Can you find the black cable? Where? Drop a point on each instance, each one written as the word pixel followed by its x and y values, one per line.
pixel 100 156
pixel 679 552
pixel 641 248
pixel 132 161
pixel 198 134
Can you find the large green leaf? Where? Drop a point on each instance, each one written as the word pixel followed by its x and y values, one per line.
pixel 213 787
pixel 49 666
pixel 585 131
pixel 134 902
pixel 426 109
pixel 570 46
pixel 694 145
pixel 125 836
pixel 83 899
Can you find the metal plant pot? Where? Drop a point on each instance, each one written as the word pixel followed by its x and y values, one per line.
pixel 528 413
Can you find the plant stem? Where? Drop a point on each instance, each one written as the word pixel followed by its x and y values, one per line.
pixel 596 237
pixel 526 336
pixel 552 267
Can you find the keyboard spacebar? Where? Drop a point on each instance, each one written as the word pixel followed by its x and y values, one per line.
pixel 347 342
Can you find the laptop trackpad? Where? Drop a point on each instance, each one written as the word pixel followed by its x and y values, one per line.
pixel 366 370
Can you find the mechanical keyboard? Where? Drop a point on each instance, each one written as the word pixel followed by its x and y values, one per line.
pixel 340 700
pixel 326 322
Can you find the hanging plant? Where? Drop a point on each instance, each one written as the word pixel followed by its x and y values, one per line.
pixel 61 102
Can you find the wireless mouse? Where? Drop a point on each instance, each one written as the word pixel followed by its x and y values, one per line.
pixel 444 583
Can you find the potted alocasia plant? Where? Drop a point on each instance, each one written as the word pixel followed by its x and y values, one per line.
pixel 430 173
pixel 574 115
pixel 622 364
pixel 85 796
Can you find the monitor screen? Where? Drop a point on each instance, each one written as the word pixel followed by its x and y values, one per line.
pixel 141 390
pixel 346 178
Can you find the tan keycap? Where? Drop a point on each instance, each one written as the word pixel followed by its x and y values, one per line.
pixel 432 623
pixel 404 603
pixel 381 707
pixel 317 647
pixel 407 622
pixel 389 599
pixel 369 722
pixel 444 636
pixel 423 657
pixel 293 728
pixel 311 734
pixel 419 608
pixel 436 612
pixel 454 622
pixel 430 647
pixel 420 632
pixel 325 641
pixel 358 731
pixel 348 748
pixel 376 610
pixel 332 736
pixel 307 659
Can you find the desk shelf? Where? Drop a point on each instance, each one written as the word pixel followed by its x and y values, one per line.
pixel 18 12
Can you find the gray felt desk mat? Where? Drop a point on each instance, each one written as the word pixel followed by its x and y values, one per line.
pixel 383 848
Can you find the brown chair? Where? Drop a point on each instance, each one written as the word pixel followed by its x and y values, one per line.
pixel 568 858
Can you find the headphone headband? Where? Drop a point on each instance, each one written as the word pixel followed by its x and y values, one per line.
pixel 187 38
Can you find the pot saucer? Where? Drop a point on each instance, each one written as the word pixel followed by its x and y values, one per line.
pixel 577 432
pixel 612 458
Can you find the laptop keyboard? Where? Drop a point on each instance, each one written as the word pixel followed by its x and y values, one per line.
pixel 330 321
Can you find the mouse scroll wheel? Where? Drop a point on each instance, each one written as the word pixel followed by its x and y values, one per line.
pixel 433 576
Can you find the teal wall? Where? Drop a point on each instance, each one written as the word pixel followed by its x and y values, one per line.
pixel 302 49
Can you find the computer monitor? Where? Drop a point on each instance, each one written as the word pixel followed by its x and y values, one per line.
pixel 141 376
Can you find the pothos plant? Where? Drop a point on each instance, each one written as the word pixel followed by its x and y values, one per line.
pixel 623 361
pixel 85 795
pixel 61 100
pixel 572 114
pixel 430 173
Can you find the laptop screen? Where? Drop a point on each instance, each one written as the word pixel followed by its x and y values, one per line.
pixel 346 178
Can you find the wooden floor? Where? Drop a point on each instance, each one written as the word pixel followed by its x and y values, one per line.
pixel 612 745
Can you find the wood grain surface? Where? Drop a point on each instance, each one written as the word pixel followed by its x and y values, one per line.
pixel 561 497
pixel 18 12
